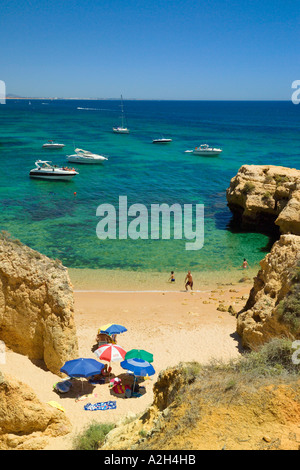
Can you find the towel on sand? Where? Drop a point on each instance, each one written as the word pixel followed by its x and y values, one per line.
pixel 105 405
pixel 56 405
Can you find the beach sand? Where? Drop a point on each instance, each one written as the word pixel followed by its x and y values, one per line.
pixel 174 325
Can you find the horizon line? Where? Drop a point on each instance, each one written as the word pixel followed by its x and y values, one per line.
pixel 11 97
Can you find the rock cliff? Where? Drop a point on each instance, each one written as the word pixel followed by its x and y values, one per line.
pixel 215 411
pixel 262 195
pixel 262 319
pixel 36 305
pixel 25 422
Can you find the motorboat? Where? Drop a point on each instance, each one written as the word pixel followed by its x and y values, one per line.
pixel 161 141
pixel 205 150
pixel 52 145
pixel 46 171
pixel 84 156
pixel 122 129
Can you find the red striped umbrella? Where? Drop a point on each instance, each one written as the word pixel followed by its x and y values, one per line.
pixel 110 353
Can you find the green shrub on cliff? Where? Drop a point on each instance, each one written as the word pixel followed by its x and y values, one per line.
pixel 92 437
pixel 280 179
pixel 274 358
pixel 248 188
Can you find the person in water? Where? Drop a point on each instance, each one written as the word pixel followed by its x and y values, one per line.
pixel 172 277
pixel 245 264
pixel 189 281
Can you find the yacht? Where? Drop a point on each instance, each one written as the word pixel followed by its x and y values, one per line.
pixel 121 129
pixel 53 145
pixel 84 156
pixel 161 141
pixel 46 171
pixel 205 150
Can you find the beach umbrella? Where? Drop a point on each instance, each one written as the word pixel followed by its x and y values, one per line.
pixel 112 329
pixel 139 354
pixel 110 353
pixel 82 367
pixel 139 367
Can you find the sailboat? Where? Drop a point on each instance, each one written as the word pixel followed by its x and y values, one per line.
pixel 121 129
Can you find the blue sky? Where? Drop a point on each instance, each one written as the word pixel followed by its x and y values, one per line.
pixel 159 49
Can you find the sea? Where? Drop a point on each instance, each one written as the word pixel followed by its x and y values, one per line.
pixel 59 219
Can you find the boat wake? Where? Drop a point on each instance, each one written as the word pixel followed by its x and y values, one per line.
pixel 90 109
pixel 94 109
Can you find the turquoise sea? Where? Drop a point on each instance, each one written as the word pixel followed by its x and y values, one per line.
pixel 50 218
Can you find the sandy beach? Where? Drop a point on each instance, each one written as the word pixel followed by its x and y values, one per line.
pixel 174 325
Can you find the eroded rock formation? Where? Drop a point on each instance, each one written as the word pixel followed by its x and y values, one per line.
pixel 263 194
pixel 207 414
pixel 25 422
pixel 261 319
pixel 36 305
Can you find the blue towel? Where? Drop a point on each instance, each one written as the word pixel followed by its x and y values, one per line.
pixel 105 405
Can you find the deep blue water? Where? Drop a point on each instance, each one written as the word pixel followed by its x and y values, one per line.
pixel 48 216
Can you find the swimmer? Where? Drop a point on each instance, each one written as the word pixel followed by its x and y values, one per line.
pixel 245 264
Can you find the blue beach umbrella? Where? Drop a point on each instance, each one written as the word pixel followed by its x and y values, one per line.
pixel 112 329
pixel 82 367
pixel 139 367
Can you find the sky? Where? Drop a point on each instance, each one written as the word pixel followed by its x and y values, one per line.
pixel 142 49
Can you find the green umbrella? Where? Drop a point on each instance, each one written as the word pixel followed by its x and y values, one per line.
pixel 139 354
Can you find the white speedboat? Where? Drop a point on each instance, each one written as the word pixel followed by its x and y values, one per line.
pixel 205 150
pixel 46 171
pixel 84 156
pixel 53 145
pixel 121 129
pixel 161 141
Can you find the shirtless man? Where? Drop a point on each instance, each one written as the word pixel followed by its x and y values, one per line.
pixel 188 281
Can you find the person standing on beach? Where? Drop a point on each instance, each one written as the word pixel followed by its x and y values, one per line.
pixel 245 264
pixel 189 281
pixel 172 277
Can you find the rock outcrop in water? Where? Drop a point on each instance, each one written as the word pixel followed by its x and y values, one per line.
pixel 25 422
pixel 262 195
pixel 262 317
pixel 36 305
pixel 267 196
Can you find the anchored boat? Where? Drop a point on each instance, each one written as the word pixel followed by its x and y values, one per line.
pixel 205 151
pixel 46 171
pixel 84 156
